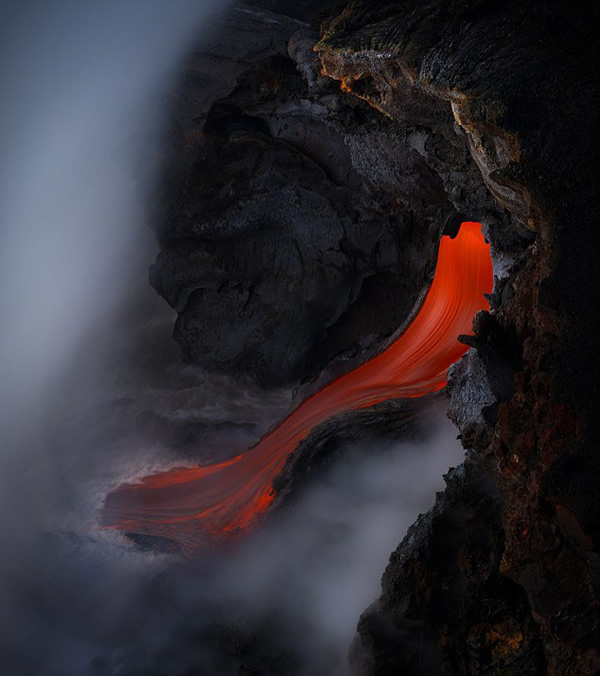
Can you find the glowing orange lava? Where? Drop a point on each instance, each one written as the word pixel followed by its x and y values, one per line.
pixel 216 502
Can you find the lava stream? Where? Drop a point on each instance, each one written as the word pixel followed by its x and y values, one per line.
pixel 194 505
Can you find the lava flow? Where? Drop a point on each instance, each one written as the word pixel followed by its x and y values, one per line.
pixel 192 506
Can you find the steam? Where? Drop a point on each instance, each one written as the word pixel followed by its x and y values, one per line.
pixel 319 567
pixel 85 356
pixel 287 598
pixel 80 80
pixel 82 98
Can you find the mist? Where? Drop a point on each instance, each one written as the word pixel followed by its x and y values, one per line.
pixel 84 92
pixel 93 393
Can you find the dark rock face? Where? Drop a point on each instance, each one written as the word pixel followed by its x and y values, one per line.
pixel 445 608
pixel 300 224
pixel 516 79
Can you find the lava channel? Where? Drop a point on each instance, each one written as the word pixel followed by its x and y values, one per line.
pixel 193 506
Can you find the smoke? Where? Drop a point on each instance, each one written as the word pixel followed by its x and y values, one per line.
pixel 285 600
pixel 92 391
pixel 319 566
pixel 80 83
pixel 82 97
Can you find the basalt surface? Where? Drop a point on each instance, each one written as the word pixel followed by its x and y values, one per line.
pixel 502 577
pixel 299 224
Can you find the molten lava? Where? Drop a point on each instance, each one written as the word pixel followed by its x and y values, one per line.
pixel 194 505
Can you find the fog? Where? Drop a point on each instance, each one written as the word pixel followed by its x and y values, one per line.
pixel 90 381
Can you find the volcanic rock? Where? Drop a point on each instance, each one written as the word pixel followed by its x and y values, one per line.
pixel 306 198
pixel 516 79
pixel 301 225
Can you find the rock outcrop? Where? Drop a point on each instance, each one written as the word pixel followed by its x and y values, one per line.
pixel 301 225
pixel 517 80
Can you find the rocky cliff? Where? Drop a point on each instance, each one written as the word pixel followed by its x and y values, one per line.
pixel 502 577
pixel 300 224
pixel 307 192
